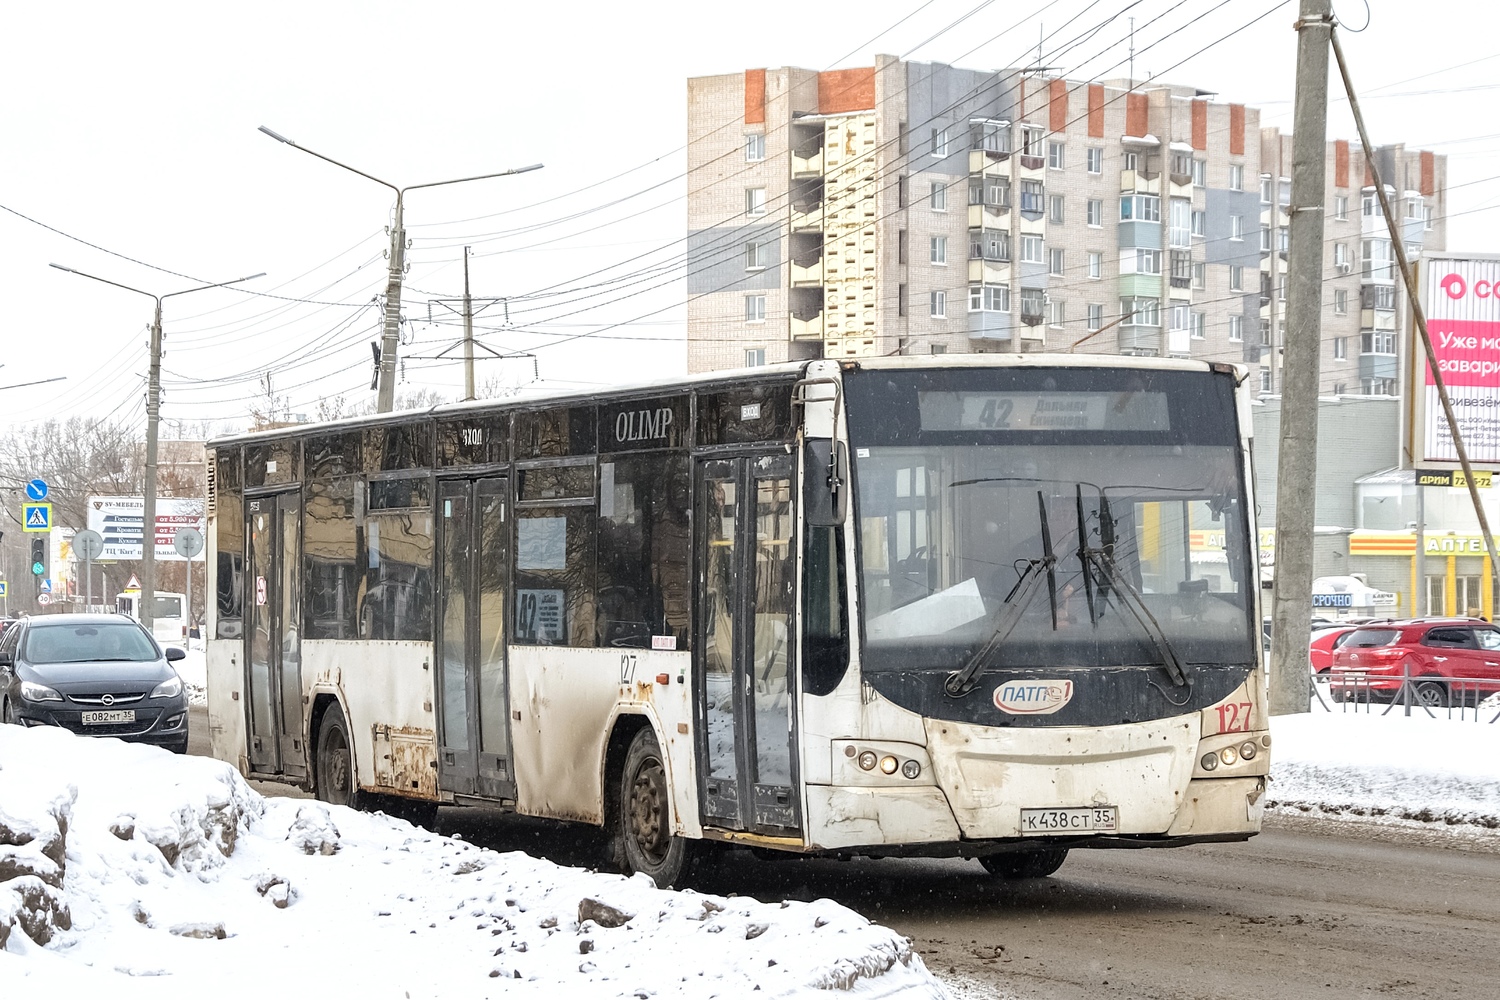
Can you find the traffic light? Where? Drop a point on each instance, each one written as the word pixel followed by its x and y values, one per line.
pixel 38 557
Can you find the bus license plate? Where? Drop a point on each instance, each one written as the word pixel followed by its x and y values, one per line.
pixel 1072 819
pixel 109 718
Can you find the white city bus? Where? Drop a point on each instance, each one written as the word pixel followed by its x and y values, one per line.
pixel 949 606
pixel 169 622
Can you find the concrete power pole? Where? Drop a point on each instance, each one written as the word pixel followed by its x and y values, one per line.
pixel 1297 461
pixel 385 398
pixel 148 492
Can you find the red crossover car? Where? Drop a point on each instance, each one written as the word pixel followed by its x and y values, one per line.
pixel 1324 642
pixel 1449 660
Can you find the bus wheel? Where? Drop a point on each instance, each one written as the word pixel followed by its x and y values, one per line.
pixel 646 816
pixel 1027 864
pixel 333 765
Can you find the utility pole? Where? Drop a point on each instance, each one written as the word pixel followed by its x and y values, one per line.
pixel 468 333
pixel 385 397
pixel 1297 460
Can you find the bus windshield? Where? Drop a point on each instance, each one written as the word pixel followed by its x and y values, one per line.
pixel 1050 517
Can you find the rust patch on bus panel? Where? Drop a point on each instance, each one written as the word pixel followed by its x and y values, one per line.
pixel 405 759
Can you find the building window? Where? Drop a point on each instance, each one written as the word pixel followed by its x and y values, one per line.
pixel 755 147
pixel 1033 304
pixel 1140 311
pixel 992 137
pixel 1371 206
pixel 1199 327
pixel 1341 256
pixel 989 244
pixel 1284 238
pixel 1180 224
pixel 755 357
pixel 1200 275
pixel 1200 222
pixel 1414 208
pixel 1340 207
pixel 1339 349
pixel 1031 196
pixel 1339 388
pixel 755 308
pixel 755 201
pixel 1055 153
pixel 1377 342
pixel 1096 264
pixel 937 196
pixel 1341 302
pixel 1140 261
pixel 1055 209
pixel 1281 289
pixel 756 255
pixel 1094 212
pixel 1427 217
pixel 1236 278
pixel 1377 259
pixel 1200 173
pixel 901 183
pixel 937 349
pixel 1236 328
pixel 1236 177
pixel 937 250
pixel 1236 227
pixel 1031 249
pixel 1096 317
pixel 1265 239
pixel 1378 297
pixel 1381 387
pixel 1140 208
pixel 1130 160
pixel 1265 333
pixel 937 305
pixel 989 298
pixel 1267 189
pixel 1031 140
pixel 939 142
pixel 1179 315
pixel 1055 261
pixel 1055 313
pixel 1094 156
pixel 1265 380
pixel 901 299
pixel 901 242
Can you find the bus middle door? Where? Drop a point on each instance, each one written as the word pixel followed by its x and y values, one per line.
pixel 746 566
pixel 473 696
pixel 273 642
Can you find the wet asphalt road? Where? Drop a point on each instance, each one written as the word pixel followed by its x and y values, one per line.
pixel 1303 910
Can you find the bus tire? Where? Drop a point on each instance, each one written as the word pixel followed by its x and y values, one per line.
pixel 1024 864
pixel 333 762
pixel 647 843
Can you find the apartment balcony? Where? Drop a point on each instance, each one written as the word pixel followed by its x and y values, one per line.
pixel 807 148
pixel 807 203
pixel 1138 338
pixel 1378 366
pixel 1377 319
pixel 1182 269
pixel 990 325
pixel 806 304
pixel 1147 286
pixel 806 259
pixel 1031 162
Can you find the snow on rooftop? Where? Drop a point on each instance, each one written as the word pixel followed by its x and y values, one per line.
pixel 142 873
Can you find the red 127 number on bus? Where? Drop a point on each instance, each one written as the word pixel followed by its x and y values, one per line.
pixel 1234 717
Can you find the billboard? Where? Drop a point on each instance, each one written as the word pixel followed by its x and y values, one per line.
pixel 1461 297
pixel 118 521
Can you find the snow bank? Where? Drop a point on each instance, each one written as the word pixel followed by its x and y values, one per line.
pixel 1391 769
pixel 193 669
pixel 130 864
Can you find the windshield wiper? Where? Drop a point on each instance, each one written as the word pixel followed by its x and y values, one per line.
pixel 961 681
pixel 1103 561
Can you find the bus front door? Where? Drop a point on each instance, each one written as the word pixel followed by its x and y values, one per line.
pixel 273 643
pixel 473 699
pixel 745 697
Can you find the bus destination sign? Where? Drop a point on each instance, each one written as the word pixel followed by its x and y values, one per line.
pixel 1043 411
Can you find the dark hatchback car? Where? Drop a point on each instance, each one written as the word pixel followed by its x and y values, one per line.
pixel 97 675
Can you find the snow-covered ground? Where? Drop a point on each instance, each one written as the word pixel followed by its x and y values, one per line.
pixel 193 670
pixel 149 874
pixel 1393 769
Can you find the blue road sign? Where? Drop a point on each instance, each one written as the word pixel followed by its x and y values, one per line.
pixel 36 517
pixel 46 587
pixel 2 588
pixel 36 489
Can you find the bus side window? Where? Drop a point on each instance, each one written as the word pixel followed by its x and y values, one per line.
pixel 825 616
pixel 645 538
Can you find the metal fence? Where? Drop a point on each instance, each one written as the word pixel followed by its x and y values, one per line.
pixel 1468 699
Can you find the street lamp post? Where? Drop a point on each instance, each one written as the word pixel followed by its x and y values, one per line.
pixel 153 415
pixel 386 398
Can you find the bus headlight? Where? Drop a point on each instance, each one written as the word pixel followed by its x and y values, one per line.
pixel 1209 761
pixel 1248 750
pixel 867 760
pixel 1227 755
pixel 888 764
pixel 911 769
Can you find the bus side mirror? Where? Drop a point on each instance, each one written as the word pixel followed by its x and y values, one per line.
pixel 825 489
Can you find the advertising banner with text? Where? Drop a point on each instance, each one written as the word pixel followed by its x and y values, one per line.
pixel 118 521
pixel 1461 297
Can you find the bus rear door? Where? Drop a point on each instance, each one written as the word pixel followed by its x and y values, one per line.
pixel 273 643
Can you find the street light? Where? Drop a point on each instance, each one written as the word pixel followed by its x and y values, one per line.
pixel 386 399
pixel 153 413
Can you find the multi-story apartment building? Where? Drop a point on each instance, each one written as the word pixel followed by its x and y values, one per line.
pixel 922 208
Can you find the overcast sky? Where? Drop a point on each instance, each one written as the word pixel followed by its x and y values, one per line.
pixel 133 127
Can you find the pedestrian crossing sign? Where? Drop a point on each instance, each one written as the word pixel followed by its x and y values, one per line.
pixel 36 517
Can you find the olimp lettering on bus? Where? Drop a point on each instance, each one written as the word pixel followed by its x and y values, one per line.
pixel 643 425
pixel 1033 697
